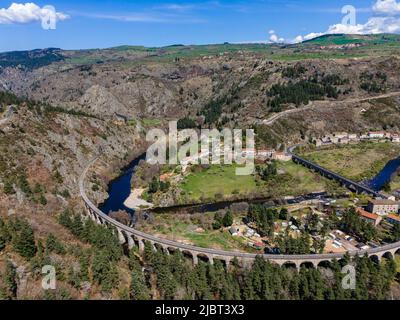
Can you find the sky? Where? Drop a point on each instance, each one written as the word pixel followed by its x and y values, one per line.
pixel 87 24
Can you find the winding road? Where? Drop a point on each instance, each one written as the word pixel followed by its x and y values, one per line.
pixel 321 103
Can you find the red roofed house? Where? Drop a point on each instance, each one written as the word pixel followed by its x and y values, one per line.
pixel 369 217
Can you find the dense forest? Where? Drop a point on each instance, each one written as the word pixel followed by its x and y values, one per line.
pixel 299 93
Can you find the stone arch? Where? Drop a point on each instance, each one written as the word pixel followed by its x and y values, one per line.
pixel 225 260
pixel 158 247
pixel 290 264
pixel 324 264
pixel 190 255
pixel 388 255
pixel 375 258
pixel 204 257
pixel 307 264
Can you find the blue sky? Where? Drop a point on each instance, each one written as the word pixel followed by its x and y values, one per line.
pixel 99 24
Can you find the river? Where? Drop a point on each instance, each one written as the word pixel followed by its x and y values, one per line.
pixel 378 182
pixel 120 188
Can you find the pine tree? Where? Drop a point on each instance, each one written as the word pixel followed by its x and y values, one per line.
pixel 65 219
pixel 227 221
pixel 10 280
pixel 8 188
pixel 24 242
pixel 138 287
pixel 54 245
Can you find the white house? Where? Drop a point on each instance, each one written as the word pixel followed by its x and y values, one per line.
pixel 376 134
pixel 282 156
pixel 395 138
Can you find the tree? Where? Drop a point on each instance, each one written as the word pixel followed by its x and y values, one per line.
pixel 154 185
pixel 54 245
pixel 8 188
pixel 4 235
pixel 396 232
pixel 138 287
pixel 10 280
pixel 104 271
pixel 24 241
pixel 65 219
pixel 227 221
pixel 386 187
pixel 283 214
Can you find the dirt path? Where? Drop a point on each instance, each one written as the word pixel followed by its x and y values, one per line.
pixel 318 104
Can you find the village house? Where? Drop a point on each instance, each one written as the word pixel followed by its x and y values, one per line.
pixel 234 231
pixel 369 217
pixel 396 138
pixel 341 135
pixel 376 134
pixel 282 156
pixel 383 207
pixel 344 140
pixel 265 154
pixel 353 137
pixel 249 153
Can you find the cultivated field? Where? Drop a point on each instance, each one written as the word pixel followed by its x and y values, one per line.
pixel 357 162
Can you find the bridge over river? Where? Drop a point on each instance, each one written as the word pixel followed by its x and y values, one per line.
pixel 352 185
pixel 133 237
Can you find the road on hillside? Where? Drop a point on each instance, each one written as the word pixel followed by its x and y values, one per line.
pixel 311 105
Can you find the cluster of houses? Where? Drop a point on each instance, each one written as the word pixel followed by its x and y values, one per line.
pixel 341 46
pixel 268 154
pixel 380 209
pixel 250 234
pixel 346 138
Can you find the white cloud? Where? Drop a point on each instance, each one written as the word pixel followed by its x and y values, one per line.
pixel 385 20
pixel 386 7
pixel 28 12
pixel 274 38
pixel 177 7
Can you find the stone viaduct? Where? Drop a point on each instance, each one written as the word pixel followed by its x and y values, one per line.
pixel 352 185
pixel 132 237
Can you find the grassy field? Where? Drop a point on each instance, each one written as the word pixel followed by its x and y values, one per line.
pixel 221 182
pixel 395 183
pixel 185 228
pixel 217 179
pixel 356 162
pixel 147 122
